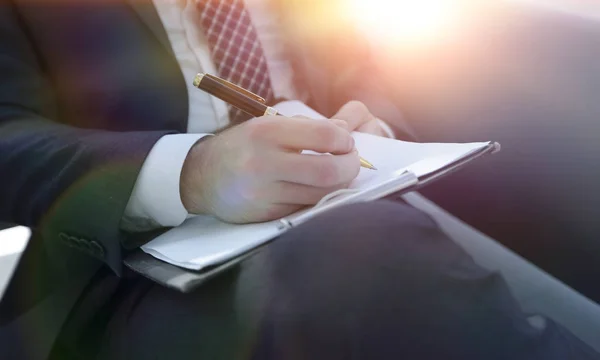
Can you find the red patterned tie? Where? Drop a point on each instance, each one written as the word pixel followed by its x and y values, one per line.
pixel 235 48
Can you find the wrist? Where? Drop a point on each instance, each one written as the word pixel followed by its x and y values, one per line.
pixel 191 184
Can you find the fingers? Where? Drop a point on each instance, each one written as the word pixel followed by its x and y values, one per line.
pixel 319 170
pixel 304 134
pixel 299 194
pixel 355 113
pixel 341 123
pixel 372 127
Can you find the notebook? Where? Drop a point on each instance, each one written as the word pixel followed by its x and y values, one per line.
pixel 205 245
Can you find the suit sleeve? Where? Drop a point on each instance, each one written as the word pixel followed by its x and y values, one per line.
pixel 70 184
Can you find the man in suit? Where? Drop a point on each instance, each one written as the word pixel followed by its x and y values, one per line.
pixel 105 143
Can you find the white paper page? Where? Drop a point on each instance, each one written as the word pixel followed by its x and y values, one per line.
pixel 391 156
pixel 203 241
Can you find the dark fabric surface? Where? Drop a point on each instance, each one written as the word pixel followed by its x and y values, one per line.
pixel 86 91
pixel 366 281
pixel 5 225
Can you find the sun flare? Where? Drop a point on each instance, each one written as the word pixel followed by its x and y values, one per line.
pixel 402 20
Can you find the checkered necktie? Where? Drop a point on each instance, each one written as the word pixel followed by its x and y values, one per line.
pixel 235 48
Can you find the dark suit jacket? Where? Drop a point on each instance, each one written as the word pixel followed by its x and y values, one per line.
pixel 86 90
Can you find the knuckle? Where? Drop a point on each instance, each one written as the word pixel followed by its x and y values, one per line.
pixel 327 134
pixel 359 111
pixel 258 128
pixel 327 173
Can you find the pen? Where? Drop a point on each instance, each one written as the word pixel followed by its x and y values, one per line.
pixel 243 100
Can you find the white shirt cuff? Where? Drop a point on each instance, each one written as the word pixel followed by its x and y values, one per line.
pixel 388 130
pixel 155 200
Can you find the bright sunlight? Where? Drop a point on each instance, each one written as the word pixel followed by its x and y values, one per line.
pixel 403 20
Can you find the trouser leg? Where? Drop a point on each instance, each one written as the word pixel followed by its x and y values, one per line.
pixel 366 281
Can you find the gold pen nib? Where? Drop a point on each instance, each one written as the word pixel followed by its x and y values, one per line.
pixel 364 163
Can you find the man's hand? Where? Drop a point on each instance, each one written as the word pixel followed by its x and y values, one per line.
pixel 255 172
pixel 360 119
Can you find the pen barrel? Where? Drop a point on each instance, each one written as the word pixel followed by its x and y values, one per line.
pixel 236 99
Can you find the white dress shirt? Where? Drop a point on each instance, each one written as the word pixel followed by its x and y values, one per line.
pixel 155 200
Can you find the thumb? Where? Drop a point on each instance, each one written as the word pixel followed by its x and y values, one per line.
pixel 355 113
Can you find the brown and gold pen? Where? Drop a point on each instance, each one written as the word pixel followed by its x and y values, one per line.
pixel 242 99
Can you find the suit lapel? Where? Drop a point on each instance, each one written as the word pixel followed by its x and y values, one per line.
pixel 147 12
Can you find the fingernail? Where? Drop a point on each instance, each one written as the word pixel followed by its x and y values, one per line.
pixel 340 123
pixel 352 143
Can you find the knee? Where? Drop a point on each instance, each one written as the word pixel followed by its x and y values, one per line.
pixel 365 232
pixel 358 244
pixel 366 262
